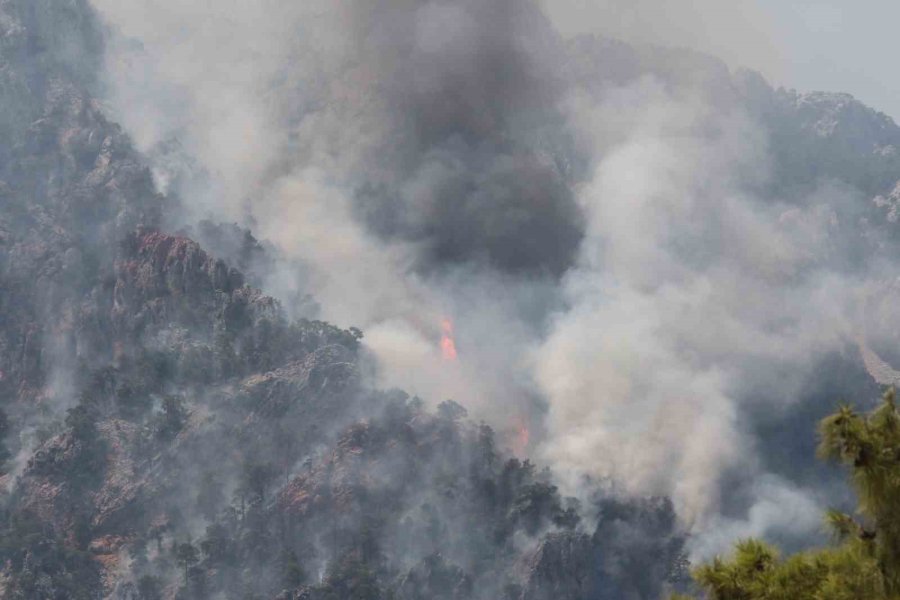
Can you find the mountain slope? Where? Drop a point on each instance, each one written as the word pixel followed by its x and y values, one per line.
pixel 171 433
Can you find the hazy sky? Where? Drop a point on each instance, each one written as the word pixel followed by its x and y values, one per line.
pixel 829 45
pixel 839 45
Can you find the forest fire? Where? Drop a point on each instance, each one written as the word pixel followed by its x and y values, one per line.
pixel 448 345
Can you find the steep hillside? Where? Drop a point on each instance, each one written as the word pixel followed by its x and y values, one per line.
pixel 170 432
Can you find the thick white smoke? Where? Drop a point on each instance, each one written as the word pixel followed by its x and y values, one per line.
pixel 615 272
pixel 684 281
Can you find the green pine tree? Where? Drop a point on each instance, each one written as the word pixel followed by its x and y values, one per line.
pixel 864 561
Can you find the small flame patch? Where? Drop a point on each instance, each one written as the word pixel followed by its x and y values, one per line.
pixel 521 437
pixel 448 345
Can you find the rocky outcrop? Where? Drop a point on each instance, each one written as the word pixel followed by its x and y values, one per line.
pixel 71 191
pixel 561 568
pixel 138 360
pixel 326 371
pixel 841 116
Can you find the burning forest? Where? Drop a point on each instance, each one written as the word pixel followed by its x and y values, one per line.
pixel 445 300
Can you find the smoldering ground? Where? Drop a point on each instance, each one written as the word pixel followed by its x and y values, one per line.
pixel 609 227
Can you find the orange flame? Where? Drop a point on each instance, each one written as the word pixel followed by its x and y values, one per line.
pixel 448 346
pixel 522 437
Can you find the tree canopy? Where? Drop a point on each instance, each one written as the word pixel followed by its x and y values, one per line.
pixel 864 560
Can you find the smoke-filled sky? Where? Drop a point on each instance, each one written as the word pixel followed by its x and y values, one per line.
pixel 828 45
pixel 598 221
pixel 838 45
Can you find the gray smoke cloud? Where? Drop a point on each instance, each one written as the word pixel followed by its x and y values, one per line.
pixel 597 221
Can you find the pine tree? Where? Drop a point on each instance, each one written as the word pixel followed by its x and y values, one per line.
pixel 186 557
pixel 864 562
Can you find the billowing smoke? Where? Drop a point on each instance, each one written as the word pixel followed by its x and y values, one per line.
pixel 689 293
pixel 608 227
pixel 412 160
